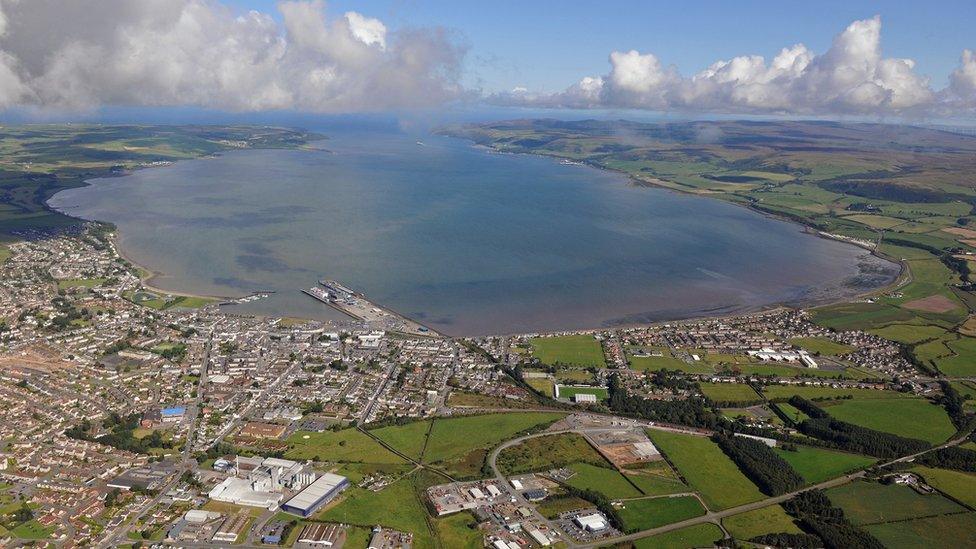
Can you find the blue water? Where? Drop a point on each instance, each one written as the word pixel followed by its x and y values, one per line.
pixel 470 242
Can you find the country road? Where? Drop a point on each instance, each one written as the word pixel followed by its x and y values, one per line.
pixel 709 517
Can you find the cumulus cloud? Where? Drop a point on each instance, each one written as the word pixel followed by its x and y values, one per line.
pixel 62 54
pixel 852 76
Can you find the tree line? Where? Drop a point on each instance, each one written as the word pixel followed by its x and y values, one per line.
pixel 692 411
pixel 853 438
pixel 817 514
pixel 771 473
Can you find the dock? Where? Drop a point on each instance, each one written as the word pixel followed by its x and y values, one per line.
pixel 358 306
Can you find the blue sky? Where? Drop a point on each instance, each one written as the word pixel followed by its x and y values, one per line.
pixel 547 45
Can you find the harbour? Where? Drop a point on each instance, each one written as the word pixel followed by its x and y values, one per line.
pixel 358 306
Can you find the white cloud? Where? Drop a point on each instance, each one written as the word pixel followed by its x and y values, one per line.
pixel 852 76
pixel 63 54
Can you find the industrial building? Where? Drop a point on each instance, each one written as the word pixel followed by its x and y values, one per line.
pixel 318 493
pixel 320 534
pixel 263 482
pixel 594 522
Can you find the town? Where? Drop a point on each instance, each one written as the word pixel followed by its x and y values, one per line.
pixel 132 416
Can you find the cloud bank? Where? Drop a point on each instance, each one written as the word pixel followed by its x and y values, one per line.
pixel 78 55
pixel 852 77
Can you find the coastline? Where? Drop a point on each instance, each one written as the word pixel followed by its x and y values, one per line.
pixel 903 277
pixel 149 277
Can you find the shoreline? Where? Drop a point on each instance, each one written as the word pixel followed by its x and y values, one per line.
pixel 148 275
pixel 902 278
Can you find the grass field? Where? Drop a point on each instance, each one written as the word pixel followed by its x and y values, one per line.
pixel 602 479
pixel 577 351
pixel 644 514
pixel 909 333
pixel 816 465
pixel 907 417
pixel 946 531
pixel 459 530
pixel 821 345
pixel 959 485
pixel 31 530
pixel 768 520
pixel 548 452
pixel 656 478
pixel 699 535
pixel 962 361
pixel 730 392
pixel 345 445
pixel 455 437
pixel 396 506
pixel 707 469
pixel 872 502
pixel 408 439
pixel 554 506
pixel 784 392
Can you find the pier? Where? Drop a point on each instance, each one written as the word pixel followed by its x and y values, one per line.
pixel 356 305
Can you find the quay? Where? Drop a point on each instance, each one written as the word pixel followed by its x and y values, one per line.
pixel 356 305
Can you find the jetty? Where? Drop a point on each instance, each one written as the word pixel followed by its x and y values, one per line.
pixel 358 306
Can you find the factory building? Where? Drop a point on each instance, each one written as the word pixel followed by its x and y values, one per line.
pixel 593 522
pixel 320 492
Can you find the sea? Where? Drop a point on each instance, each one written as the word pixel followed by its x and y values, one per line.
pixel 463 239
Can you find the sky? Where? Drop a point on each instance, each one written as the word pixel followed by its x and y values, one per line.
pixel 825 59
pixel 545 45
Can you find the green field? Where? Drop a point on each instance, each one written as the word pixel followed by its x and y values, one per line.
pixel 346 445
pixel 667 362
pixel 909 333
pixel 962 360
pixel 575 351
pixel 458 530
pixel 396 506
pixel 655 478
pixel 730 392
pixel 408 439
pixel 454 437
pixel 552 507
pixel 602 479
pixel 946 531
pixel 707 469
pixel 31 530
pixel 872 502
pixel 907 417
pixel 821 345
pixel 956 484
pixel 644 514
pixel 768 520
pixel 784 392
pixel 699 535
pixel 548 452
pixel 816 465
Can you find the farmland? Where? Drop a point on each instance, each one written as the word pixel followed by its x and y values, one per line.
pixel 547 452
pixel 347 445
pixel 699 535
pixel 602 479
pixel 957 530
pixel 643 514
pixel 817 465
pixel 871 502
pixel 732 393
pixel 956 484
pixel 768 520
pixel 907 417
pixel 707 469
pixel 37 161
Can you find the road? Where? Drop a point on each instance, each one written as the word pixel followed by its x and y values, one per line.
pixel 119 535
pixel 714 517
